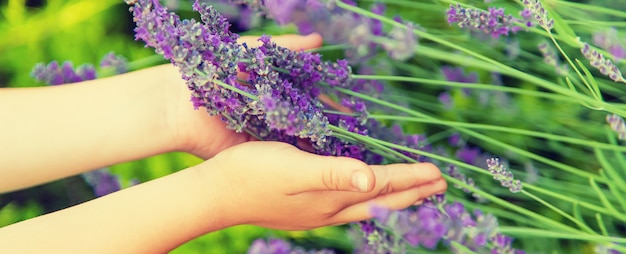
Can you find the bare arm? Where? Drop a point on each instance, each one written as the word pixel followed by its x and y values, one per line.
pixel 53 132
pixel 152 217
pixel 270 184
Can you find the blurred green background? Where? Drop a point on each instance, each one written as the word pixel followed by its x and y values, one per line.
pixel 83 31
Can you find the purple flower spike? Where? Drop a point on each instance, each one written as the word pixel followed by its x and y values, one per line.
pixel 102 182
pixel 468 154
pixel 402 43
pixel 116 62
pixel 502 174
pixel 605 66
pixel 273 246
pixel 502 245
pixel 380 213
pixel 55 74
pixel 282 10
pixel 539 13
pixel 493 21
pixel 617 124
pixel 610 41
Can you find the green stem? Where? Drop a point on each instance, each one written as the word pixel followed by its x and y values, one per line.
pixel 477 86
pixel 488 196
pixel 494 65
pixel 602 197
pixel 574 200
pixel 485 138
pixel 580 224
pixel 594 90
pixel 609 169
pixel 592 8
pixel 520 232
pixel 487 127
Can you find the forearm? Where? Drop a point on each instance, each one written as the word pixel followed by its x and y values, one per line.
pixel 153 217
pixel 53 132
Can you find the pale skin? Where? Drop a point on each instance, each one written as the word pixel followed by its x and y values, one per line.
pixel 53 132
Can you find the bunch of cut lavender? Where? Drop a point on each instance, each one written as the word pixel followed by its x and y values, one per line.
pixel 279 98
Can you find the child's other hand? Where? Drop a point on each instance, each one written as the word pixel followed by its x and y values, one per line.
pixel 276 185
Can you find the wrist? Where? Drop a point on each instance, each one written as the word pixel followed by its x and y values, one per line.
pixel 177 107
pixel 221 208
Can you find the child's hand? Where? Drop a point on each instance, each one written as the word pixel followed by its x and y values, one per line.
pixel 276 185
pixel 195 130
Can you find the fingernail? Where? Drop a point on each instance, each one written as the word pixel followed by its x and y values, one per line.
pixel 359 181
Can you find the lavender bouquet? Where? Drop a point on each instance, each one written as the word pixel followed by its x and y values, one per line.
pixel 526 87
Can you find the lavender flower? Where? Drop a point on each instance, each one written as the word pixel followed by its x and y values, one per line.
pixel 610 41
pixel 278 246
pixel 282 10
pixel 428 226
pixel 551 58
pixel 453 171
pixel 502 245
pixel 273 246
pixel 241 15
pixel 116 62
pixel 457 74
pixel 605 249
pixel 617 124
pixel 446 100
pixel 605 66
pixel 493 21
pixel 468 154
pixel 455 139
pixel 55 74
pixel 502 174
pixel 371 239
pixel 539 13
pixel 401 45
pixel 102 181
pixel 338 26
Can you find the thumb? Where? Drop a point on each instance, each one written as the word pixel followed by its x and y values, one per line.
pixel 330 173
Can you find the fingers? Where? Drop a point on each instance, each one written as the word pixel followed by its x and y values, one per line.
pixel 406 198
pixel 290 41
pixel 394 201
pixel 329 173
pixel 397 186
pixel 399 177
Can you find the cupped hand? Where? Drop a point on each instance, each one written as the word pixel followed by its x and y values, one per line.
pixel 276 185
pixel 203 135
